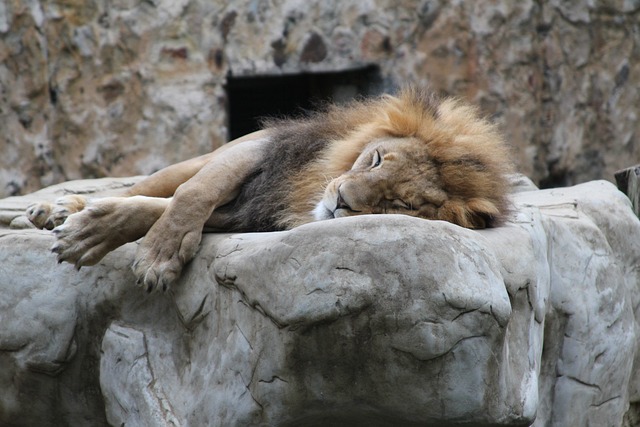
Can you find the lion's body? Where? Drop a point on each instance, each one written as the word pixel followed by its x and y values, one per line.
pixel 411 154
pixel 264 199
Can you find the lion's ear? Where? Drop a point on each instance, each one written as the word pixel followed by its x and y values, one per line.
pixel 472 213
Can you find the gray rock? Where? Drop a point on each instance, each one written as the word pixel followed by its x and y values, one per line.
pixel 123 87
pixel 372 320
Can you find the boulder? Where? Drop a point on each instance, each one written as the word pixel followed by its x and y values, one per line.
pixel 374 320
pixel 123 87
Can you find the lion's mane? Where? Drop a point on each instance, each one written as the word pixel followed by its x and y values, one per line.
pixel 306 153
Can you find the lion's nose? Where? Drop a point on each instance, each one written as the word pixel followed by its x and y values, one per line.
pixel 341 204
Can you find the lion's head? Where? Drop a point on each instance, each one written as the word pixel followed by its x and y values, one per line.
pixel 434 159
pixel 393 175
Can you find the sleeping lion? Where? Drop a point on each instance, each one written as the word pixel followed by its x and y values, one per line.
pixel 412 154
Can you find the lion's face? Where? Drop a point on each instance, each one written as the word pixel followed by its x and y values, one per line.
pixel 393 175
pixel 414 155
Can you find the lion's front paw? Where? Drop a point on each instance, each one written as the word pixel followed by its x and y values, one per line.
pixel 162 255
pixel 83 240
pixel 87 236
pixel 50 215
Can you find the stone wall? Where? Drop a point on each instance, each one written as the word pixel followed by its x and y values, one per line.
pixel 115 88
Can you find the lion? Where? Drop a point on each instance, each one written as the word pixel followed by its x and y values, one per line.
pixel 413 153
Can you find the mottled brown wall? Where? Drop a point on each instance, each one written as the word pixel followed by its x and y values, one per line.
pixel 123 87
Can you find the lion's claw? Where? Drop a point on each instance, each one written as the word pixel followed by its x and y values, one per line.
pixel 160 261
pixel 157 275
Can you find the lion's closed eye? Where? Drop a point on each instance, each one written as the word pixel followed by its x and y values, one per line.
pixel 376 160
pixel 400 204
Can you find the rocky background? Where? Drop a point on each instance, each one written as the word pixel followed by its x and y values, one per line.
pixel 98 88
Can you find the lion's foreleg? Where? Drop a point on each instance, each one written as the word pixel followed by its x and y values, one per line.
pixel 174 239
pixel 166 181
pixel 105 224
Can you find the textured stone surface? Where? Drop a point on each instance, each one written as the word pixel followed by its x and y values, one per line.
pixel 114 88
pixel 373 320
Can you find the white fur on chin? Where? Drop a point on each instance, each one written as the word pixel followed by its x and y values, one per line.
pixel 320 212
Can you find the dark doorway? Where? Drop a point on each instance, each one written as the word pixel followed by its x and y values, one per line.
pixel 253 98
